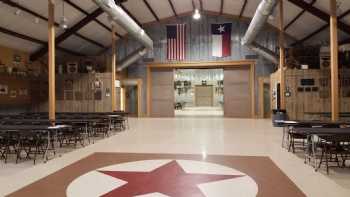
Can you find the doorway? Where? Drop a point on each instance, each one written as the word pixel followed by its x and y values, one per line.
pixel 264 97
pixel 131 96
pixel 198 92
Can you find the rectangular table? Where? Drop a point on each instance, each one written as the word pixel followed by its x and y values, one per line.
pixel 36 128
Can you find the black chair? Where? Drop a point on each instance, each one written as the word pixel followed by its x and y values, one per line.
pixel 334 149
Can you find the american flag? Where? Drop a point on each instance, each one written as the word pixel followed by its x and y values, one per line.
pixel 176 41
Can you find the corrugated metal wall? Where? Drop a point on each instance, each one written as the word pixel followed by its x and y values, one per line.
pixel 199 45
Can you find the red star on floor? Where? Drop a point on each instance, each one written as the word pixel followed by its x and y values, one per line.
pixel 169 179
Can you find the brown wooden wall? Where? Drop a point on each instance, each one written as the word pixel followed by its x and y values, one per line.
pixel 237 93
pixel 162 92
pixel 77 93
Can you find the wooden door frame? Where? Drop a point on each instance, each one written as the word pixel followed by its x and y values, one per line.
pixel 261 99
pixel 250 64
pixel 139 93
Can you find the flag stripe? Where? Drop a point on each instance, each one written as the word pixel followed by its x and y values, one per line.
pixel 176 42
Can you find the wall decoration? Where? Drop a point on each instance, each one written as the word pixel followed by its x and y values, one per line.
pixel 97 84
pixel 72 67
pixel 3 89
pixel 98 95
pixel 108 92
pixel 68 84
pixel 23 92
pixel 13 93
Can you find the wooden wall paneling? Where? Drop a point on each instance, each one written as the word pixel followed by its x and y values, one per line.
pixel 162 92
pixel 237 94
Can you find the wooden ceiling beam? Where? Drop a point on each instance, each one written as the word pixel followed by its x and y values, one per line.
pixel 222 6
pixel 151 10
pixel 68 33
pixel 14 4
pixel 320 14
pixel 86 13
pixel 243 8
pixel 34 40
pixel 297 16
pixel 172 7
pixel 317 31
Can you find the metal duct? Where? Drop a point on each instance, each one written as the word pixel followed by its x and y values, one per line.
pixel 266 53
pixel 261 15
pixel 119 16
pixel 133 57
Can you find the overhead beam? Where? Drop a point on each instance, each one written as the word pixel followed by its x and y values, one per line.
pixel 68 33
pixel 297 16
pixel 172 7
pixel 51 62
pixel 222 6
pixel 151 10
pixel 243 8
pixel 317 31
pixel 86 13
pixel 334 61
pixel 320 14
pixel 14 4
pixel 34 40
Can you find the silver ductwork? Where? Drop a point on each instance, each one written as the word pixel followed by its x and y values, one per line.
pixel 117 15
pixel 261 15
pixel 130 59
pixel 266 53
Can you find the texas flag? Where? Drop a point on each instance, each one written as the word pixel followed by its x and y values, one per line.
pixel 221 39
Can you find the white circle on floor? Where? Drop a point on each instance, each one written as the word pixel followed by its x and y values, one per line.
pixel 95 183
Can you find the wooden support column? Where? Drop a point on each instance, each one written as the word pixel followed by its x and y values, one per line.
pixel 51 60
pixel 113 62
pixel 282 56
pixel 334 61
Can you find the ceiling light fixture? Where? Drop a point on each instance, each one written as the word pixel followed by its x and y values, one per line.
pixel 196 14
pixel 63 20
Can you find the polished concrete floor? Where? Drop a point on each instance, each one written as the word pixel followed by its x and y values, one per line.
pixel 205 136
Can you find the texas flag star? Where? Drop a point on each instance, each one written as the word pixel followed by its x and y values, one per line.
pixel 221 29
pixel 169 179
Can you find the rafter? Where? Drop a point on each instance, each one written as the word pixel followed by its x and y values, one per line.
pixel 86 13
pixel 320 14
pixel 14 4
pixel 312 34
pixel 297 16
pixel 222 6
pixel 243 8
pixel 151 10
pixel 69 32
pixel 172 7
pixel 34 40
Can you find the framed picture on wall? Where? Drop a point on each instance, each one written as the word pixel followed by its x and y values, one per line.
pixel 13 93
pixel 3 89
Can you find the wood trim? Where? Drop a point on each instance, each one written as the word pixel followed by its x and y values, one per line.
pixel 261 99
pixel 113 65
pixel 149 86
pixel 51 61
pixel 334 61
pixel 209 64
pixel 252 89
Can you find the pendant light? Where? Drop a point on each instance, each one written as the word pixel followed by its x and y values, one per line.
pixel 63 20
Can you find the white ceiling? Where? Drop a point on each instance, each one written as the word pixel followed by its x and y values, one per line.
pixel 24 23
